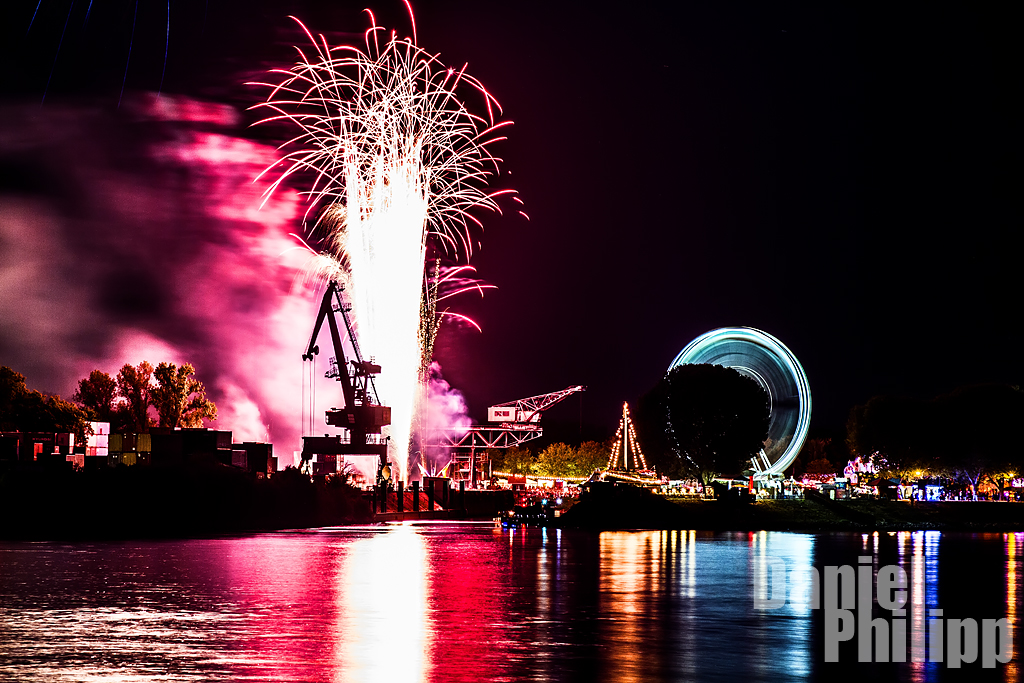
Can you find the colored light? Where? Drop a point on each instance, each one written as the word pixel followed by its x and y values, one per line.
pixel 768 362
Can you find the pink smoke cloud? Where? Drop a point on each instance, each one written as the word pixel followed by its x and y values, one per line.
pixel 140 236
pixel 145 240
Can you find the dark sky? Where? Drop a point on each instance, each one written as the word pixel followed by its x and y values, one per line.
pixel 844 177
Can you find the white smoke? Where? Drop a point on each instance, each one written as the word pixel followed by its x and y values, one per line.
pixel 441 406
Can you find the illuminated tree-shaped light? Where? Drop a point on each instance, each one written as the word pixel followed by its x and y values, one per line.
pixel 626 444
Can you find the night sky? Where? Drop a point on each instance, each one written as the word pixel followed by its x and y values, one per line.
pixel 843 177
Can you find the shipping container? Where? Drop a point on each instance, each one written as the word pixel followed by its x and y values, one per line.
pixel 509 414
pixel 65 443
pixel 501 414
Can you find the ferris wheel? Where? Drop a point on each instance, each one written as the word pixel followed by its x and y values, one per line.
pixel 767 361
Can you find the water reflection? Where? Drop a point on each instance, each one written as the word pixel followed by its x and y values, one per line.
pixel 381 631
pixel 468 603
pixel 629 579
pixel 679 605
pixel 1013 550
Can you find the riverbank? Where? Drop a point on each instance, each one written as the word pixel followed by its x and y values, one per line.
pixel 206 499
pixel 632 508
pixel 203 498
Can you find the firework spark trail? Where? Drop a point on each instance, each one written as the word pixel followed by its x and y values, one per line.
pixel 34 13
pixel 450 282
pixel 131 40
pixel 167 47
pixel 63 31
pixel 397 160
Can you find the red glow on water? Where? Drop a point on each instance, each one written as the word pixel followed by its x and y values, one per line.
pixel 396 604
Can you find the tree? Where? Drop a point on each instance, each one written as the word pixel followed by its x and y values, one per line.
pixel 898 433
pixel 514 461
pixel 12 391
pixel 980 426
pixel 562 460
pixel 652 431
pixel 591 456
pixel 133 385
pixel 813 457
pixel 557 460
pixel 54 414
pixel 179 398
pixel 97 393
pixel 821 466
pixel 715 418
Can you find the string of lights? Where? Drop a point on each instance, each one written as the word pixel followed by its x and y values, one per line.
pixel 572 480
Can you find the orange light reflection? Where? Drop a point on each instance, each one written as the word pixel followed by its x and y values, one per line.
pixel 1012 667
pixel 629 570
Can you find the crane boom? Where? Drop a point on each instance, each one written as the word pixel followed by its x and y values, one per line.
pixel 528 409
pixel 326 312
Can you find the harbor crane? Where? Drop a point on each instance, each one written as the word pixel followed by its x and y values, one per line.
pixel 518 422
pixel 362 416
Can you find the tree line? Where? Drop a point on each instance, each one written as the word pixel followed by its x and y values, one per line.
pixel 179 400
pixel 968 435
pixel 25 410
pixel 124 401
pixel 557 460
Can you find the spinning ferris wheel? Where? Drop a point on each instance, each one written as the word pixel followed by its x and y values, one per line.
pixel 764 359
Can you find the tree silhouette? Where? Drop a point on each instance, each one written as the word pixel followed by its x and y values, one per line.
pixel 967 435
pixel 650 421
pixel 97 393
pixel 12 391
pixel 716 419
pixel 32 411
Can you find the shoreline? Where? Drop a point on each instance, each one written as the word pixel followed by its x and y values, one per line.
pixel 625 509
pixel 204 500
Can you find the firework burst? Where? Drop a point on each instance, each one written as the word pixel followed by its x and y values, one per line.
pixel 395 159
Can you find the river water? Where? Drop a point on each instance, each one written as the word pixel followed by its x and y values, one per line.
pixel 471 602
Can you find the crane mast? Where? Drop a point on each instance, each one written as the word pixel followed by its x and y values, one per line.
pixel 362 415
